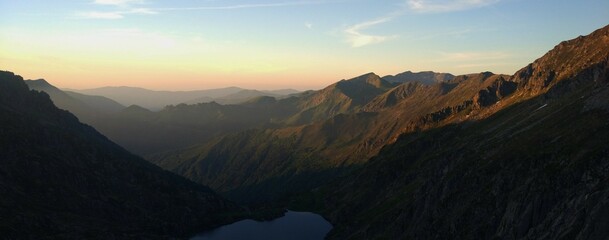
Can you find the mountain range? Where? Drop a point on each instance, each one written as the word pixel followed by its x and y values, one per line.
pixel 349 135
pixel 477 156
pixel 62 179
pixel 426 77
pixel 156 100
pixel 533 165
pixel 412 156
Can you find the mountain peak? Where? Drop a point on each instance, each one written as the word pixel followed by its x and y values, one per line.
pixel 370 74
pixel 582 55
pixel 135 108
pixel 424 77
pixel 40 80
pixel 41 84
pixel 367 79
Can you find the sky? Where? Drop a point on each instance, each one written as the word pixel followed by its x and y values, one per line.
pixel 277 44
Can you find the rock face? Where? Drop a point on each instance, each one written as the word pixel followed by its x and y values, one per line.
pixel 426 78
pixel 497 91
pixel 537 168
pixel 393 96
pixel 345 96
pixel 356 118
pixel 582 58
pixel 62 179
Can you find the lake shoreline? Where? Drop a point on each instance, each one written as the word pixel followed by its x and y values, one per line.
pixel 292 225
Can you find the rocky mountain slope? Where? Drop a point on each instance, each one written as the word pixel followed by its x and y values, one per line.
pixel 349 130
pixel 427 77
pixel 345 96
pixel 61 179
pixel 145 132
pixel 268 164
pixel 532 165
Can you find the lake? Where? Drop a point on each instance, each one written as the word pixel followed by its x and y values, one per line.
pixel 294 225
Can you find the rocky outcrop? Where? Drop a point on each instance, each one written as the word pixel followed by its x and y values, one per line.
pixel 567 60
pixel 393 96
pixel 426 77
pixel 497 91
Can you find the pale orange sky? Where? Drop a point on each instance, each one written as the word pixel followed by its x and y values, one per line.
pixel 187 45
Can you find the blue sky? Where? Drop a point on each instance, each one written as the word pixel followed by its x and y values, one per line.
pixel 307 44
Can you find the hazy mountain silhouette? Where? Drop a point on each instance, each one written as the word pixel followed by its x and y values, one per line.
pixel 243 96
pixel 62 179
pixel 156 100
pixel 282 92
pixel 175 126
pixel 89 109
pixel 98 103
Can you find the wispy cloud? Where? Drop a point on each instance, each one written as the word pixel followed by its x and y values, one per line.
pixel 116 40
pixel 308 25
pixel 99 15
pixel 243 6
pixel 118 2
pixel 451 34
pixel 123 8
pixel 481 65
pixel 126 7
pixel 475 61
pixel 114 14
pixel 356 38
pixel 472 56
pixel 435 6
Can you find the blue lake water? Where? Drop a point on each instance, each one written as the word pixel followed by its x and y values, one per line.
pixel 294 226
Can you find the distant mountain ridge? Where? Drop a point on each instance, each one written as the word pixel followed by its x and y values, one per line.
pixel 156 100
pixel 88 108
pixel 425 77
pixel 244 95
